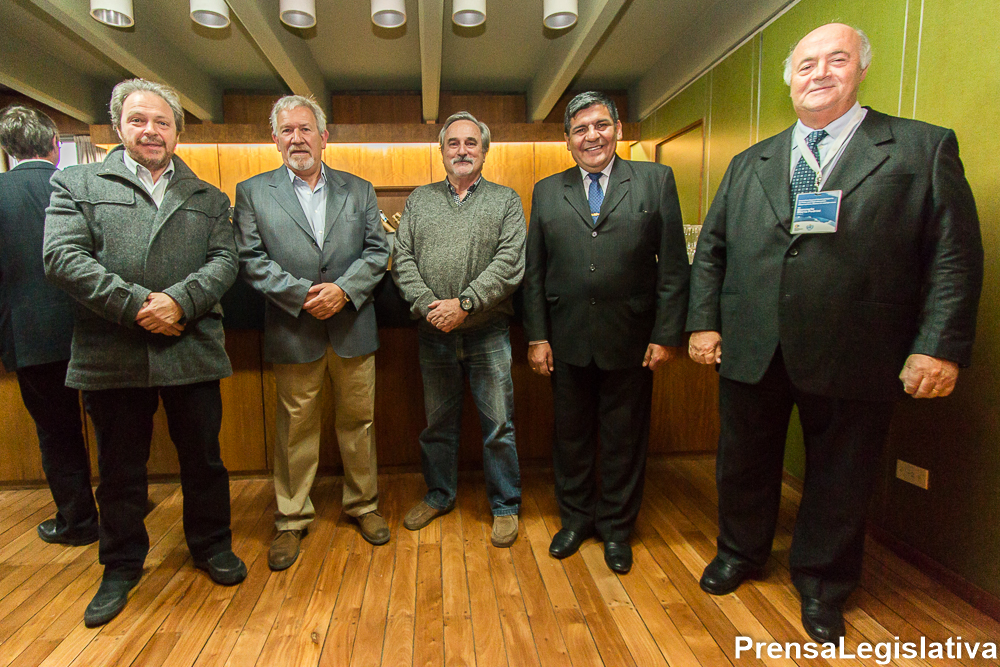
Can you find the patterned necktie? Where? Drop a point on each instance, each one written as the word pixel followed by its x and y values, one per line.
pixel 804 178
pixel 595 196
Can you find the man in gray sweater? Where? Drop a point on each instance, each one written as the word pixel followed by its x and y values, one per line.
pixel 459 258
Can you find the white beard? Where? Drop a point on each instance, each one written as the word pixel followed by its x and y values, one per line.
pixel 301 163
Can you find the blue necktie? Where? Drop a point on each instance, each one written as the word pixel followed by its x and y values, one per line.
pixel 595 196
pixel 804 178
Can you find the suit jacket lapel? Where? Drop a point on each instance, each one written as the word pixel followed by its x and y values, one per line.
pixel 573 191
pixel 284 194
pixel 774 174
pixel 618 185
pixel 182 185
pixel 336 198
pixel 862 155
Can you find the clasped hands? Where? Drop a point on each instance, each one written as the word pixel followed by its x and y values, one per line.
pixel 922 376
pixel 446 314
pixel 324 300
pixel 160 314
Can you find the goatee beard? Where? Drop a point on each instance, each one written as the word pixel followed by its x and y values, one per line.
pixel 301 163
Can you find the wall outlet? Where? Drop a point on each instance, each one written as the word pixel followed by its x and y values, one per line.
pixel 913 474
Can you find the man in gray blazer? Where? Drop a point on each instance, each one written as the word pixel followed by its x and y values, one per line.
pixel 147 251
pixel 36 325
pixel 839 323
pixel 311 241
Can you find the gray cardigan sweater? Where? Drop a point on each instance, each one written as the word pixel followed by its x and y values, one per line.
pixel 108 246
pixel 447 251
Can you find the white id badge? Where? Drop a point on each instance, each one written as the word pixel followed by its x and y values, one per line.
pixel 816 212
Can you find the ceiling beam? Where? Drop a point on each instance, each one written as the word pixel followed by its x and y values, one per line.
pixel 727 32
pixel 67 90
pixel 140 50
pixel 431 20
pixel 566 55
pixel 288 54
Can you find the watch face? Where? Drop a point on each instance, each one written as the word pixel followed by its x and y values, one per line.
pixel 466 304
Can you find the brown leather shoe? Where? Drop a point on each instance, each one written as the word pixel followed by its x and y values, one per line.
pixel 421 515
pixel 374 528
pixel 504 531
pixel 284 549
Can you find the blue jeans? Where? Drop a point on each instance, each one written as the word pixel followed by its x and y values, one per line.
pixel 483 355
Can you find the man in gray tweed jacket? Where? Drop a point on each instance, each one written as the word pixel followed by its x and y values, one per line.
pixel 147 250
pixel 459 258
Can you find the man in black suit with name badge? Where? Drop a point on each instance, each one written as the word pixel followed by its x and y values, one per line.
pixel 830 322
pixel 605 295
pixel 36 325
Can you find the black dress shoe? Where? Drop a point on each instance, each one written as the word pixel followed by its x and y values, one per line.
pixel 109 601
pixel 49 531
pixel 225 568
pixel 566 542
pixel 722 577
pixel 618 556
pixel 822 621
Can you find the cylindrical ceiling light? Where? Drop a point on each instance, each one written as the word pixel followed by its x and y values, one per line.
pixel 559 13
pixel 388 13
pixel 468 13
pixel 298 13
pixel 210 13
pixel 116 13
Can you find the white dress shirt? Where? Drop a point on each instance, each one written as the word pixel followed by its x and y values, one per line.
pixel 313 202
pixel 833 131
pixel 155 190
pixel 603 180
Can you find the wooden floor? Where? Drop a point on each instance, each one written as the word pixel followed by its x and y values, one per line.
pixel 444 596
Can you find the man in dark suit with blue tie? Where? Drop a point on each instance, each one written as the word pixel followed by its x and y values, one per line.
pixel 36 325
pixel 605 297
pixel 839 320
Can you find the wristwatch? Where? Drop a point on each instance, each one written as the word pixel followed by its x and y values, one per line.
pixel 466 303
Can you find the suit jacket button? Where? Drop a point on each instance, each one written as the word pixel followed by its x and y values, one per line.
pixel 593 302
pixel 793 252
pixel 593 268
pixel 323 270
pixel 594 233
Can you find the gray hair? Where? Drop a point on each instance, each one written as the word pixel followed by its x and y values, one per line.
pixel 585 101
pixel 484 131
pixel 26 132
pixel 865 54
pixel 126 88
pixel 289 102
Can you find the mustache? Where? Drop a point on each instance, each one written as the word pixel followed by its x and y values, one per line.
pixel 150 141
pixel 461 158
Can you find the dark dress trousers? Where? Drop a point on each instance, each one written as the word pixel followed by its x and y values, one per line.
pixel 600 293
pixel 36 327
pixel 826 322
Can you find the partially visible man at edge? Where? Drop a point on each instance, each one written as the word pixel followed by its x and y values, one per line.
pixel 147 249
pixel 36 325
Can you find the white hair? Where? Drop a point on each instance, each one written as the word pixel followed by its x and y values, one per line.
pixel 289 102
pixel 865 54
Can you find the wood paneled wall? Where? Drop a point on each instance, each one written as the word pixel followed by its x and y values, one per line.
pixel 684 404
pixel 405 107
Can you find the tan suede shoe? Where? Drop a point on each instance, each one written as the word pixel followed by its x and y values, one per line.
pixel 374 528
pixel 421 515
pixel 504 531
pixel 284 549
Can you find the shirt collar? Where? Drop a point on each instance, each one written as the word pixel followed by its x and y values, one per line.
pixel 605 172
pixel 321 182
pixel 468 193
pixel 833 129
pixel 33 159
pixel 141 172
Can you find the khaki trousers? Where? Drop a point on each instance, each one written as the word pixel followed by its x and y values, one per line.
pixel 296 452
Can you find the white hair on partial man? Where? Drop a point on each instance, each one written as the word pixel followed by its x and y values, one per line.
pixel 289 102
pixel 865 55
